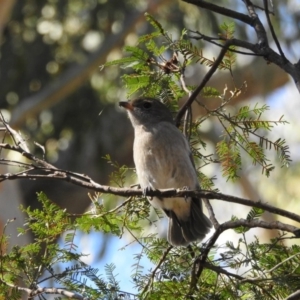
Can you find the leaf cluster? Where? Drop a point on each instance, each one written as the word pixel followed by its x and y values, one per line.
pixel 157 62
pixel 267 270
pixel 44 260
pixel 246 131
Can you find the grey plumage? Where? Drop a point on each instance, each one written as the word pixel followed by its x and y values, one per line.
pixel 163 159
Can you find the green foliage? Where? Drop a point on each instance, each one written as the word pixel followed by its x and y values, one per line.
pixel 258 265
pixel 272 270
pixel 255 213
pixel 230 157
pixel 227 32
pixel 158 60
pixel 210 92
pixel 246 131
pixel 118 176
pixel 265 270
pixel 155 24
pixel 171 276
pixel 41 258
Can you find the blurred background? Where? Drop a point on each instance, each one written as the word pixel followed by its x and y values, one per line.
pixel 53 91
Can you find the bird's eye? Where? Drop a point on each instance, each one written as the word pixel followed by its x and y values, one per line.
pixel 147 104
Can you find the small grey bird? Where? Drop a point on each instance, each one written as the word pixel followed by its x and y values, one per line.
pixel 163 159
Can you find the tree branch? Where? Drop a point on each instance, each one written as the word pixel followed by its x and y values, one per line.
pixel 161 261
pixel 273 31
pixel 200 262
pixel 294 296
pixel 261 34
pixel 211 214
pixel 241 279
pixel 48 171
pixel 220 270
pixel 39 290
pixel 221 10
pixel 212 40
pixel 258 223
pixel 206 78
pixel 262 47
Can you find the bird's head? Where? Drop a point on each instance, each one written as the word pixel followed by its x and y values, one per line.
pixel 147 111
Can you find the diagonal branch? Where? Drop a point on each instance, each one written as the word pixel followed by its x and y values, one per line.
pixel 273 32
pixel 43 290
pixel 261 34
pixel 261 48
pixel 214 41
pixel 221 10
pixel 161 261
pixel 200 262
pixel 206 78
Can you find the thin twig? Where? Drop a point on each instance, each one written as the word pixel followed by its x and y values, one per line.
pixel 261 34
pixel 162 259
pixel 199 263
pixel 220 270
pixel 197 267
pixel 128 200
pixel 273 31
pixel 221 10
pixel 213 40
pixel 206 78
pixel 39 290
pixel 188 114
pixel 211 213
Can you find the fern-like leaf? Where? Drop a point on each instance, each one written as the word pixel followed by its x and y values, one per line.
pixel 155 23
pixel 255 213
pixel 230 158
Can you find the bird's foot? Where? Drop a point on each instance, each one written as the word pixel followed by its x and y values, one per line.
pixel 186 188
pixel 146 191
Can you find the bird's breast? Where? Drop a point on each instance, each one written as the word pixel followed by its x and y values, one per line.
pixel 152 165
pixel 162 159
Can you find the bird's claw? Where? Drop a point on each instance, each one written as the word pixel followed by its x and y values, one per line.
pixel 146 190
pixel 186 188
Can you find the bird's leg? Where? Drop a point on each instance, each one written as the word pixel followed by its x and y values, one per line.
pixel 147 190
pixel 186 188
pixel 135 185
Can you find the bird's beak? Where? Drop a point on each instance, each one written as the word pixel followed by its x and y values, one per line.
pixel 126 105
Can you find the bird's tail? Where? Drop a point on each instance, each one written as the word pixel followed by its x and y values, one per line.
pixel 183 232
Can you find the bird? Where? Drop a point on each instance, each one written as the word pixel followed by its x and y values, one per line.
pixel 163 159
